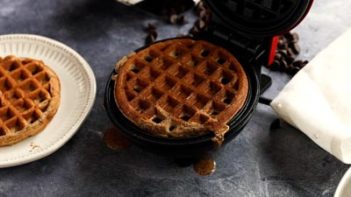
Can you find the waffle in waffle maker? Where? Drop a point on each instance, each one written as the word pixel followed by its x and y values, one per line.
pixel 245 28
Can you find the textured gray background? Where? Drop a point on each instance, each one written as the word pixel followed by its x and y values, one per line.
pixel 258 163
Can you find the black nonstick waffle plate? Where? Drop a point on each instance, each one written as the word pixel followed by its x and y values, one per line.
pixel 260 17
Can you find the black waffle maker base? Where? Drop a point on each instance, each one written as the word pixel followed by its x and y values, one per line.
pixel 249 43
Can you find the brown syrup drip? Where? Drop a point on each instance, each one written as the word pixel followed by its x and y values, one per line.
pixel 114 139
pixel 205 166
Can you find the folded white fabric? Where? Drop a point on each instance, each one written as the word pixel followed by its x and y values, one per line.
pixel 318 99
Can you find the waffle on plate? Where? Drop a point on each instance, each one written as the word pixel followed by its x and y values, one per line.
pixel 29 98
pixel 181 88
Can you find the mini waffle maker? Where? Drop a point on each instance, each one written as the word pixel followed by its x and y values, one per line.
pixel 248 29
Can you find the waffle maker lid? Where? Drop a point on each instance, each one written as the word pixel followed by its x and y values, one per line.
pixel 260 18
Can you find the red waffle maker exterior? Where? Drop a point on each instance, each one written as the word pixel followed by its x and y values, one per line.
pixel 246 28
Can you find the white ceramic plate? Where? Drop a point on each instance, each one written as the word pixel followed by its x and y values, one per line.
pixel 344 187
pixel 78 89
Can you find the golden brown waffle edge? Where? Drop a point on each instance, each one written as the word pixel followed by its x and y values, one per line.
pixel 181 88
pixel 29 98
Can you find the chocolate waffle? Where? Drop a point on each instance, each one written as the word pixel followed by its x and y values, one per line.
pixel 181 88
pixel 29 98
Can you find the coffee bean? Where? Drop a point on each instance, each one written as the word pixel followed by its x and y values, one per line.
pixel 286 53
pixel 296 37
pixel 305 63
pixel 278 56
pixel 291 54
pixel 173 18
pixel 151 37
pixel 289 36
pixel 284 64
pixel 275 66
pixel 200 7
pixel 289 60
pixel 298 64
pixel 295 48
pixel 200 24
pixel 152 33
pixel 181 20
pixel 292 71
pixel 150 27
pixel 203 13
pixel 282 44
pixel 283 53
pixel 194 30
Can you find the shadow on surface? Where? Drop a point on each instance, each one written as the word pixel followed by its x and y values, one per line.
pixel 298 162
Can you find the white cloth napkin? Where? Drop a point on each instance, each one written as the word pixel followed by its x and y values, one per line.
pixel 318 99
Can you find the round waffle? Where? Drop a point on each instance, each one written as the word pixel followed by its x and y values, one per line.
pixel 181 88
pixel 29 98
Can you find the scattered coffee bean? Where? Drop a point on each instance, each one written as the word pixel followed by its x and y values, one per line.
pixel 289 37
pixel 290 58
pixel 203 13
pixel 177 19
pixel 151 37
pixel 295 48
pixel 292 37
pixel 194 30
pixel 172 12
pixel 292 70
pixel 298 63
pixel 282 44
pixel 305 63
pixel 287 51
pixel 151 33
pixel 284 64
pixel 199 8
pixel 201 24
pixel 296 37
pixel 278 56
pixel 181 20
pixel 284 53
pixel 173 18
pixel 150 27
pixel 204 16
pixel 275 66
